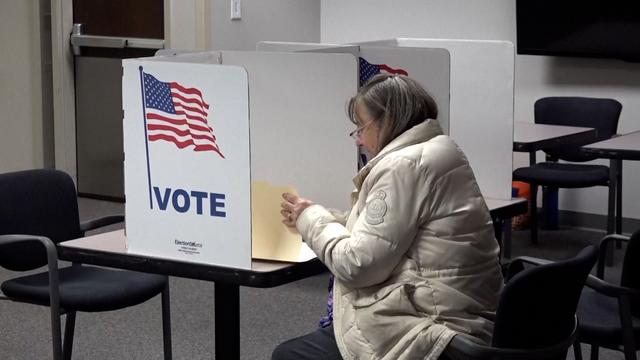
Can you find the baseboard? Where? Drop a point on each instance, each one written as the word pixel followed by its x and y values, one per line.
pixel 594 222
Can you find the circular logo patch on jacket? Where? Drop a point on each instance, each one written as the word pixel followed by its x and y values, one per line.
pixel 376 208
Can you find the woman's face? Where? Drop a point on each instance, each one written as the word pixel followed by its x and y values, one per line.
pixel 368 130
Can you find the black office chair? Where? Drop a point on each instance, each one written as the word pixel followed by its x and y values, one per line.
pixel 535 319
pixel 601 114
pixel 42 205
pixel 609 314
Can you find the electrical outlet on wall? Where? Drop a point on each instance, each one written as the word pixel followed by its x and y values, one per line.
pixel 236 9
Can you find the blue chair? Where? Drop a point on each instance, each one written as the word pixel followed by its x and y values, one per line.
pixel 536 314
pixel 38 209
pixel 601 114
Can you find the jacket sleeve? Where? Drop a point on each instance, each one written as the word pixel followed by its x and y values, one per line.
pixel 382 233
pixel 339 215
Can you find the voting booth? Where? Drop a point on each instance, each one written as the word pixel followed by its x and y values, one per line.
pixel 212 139
pixel 204 131
pixel 478 111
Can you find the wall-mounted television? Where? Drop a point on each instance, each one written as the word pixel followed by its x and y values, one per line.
pixel 588 28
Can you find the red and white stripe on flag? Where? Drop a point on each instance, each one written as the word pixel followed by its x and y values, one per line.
pixel 179 117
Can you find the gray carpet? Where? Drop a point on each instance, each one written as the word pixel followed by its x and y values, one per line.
pixel 268 316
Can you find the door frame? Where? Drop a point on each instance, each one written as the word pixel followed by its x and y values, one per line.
pixel 64 118
pixel 187 26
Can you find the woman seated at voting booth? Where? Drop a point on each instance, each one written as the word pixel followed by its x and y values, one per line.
pixel 415 261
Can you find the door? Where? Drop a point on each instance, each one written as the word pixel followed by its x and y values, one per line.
pixel 104 33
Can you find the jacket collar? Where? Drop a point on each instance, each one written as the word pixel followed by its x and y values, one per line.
pixel 422 132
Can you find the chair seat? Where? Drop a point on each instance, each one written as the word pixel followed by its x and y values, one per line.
pixel 88 289
pixel 599 320
pixel 563 175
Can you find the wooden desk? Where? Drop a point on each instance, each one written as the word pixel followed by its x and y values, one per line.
pixel 109 249
pixel 531 137
pixel 616 149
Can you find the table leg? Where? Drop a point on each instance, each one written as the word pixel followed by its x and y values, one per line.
pixel 506 239
pixel 549 208
pixel 502 230
pixel 227 321
pixel 611 208
pixel 618 163
pixel 532 158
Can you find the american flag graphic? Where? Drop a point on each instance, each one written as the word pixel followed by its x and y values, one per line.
pixel 177 114
pixel 368 70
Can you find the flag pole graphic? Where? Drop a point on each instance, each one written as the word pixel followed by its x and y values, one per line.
pixel 146 137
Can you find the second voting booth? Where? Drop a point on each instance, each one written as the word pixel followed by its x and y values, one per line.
pixel 478 111
pixel 212 139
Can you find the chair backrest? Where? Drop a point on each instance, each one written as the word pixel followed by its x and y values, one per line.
pixel 630 276
pixel 36 202
pixel 601 114
pixel 537 306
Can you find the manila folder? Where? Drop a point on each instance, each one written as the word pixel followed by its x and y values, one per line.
pixel 270 238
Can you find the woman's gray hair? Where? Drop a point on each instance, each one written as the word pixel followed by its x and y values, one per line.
pixel 397 103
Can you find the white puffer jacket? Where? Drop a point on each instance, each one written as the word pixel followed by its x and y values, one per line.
pixel 417 261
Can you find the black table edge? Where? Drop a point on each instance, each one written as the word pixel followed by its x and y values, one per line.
pixel 575 139
pixel 218 274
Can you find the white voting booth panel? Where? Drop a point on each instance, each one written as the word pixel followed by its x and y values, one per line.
pixel 482 81
pixel 281 46
pixel 276 117
pixel 430 67
pixel 299 127
pixel 179 189
pixel 479 111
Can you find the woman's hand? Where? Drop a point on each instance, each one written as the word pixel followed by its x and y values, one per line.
pixel 292 207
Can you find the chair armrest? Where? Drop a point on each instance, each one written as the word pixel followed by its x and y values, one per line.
pixel 531 260
pixel 610 237
pixel 489 315
pixel 54 283
pixel 100 222
pixel 518 264
pixel 602 253
pixel 609 289
pixel 52 260
pixel 49 246
pixel 462 348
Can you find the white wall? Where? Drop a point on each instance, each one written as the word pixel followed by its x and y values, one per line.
pixel 536 76
pixel 275 20
pixel 21 141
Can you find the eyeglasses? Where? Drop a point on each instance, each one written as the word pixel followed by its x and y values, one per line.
pixel 358 132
